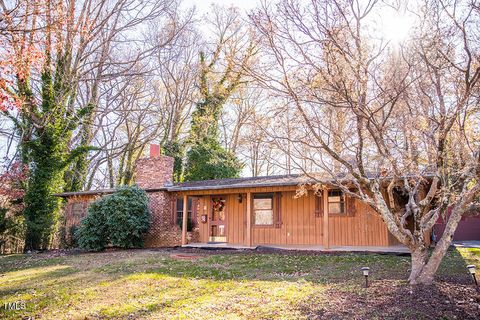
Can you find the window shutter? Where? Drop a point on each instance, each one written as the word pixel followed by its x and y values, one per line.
pixel 318 205
pixel 84 209
pixel 195 204
pixel 173 206
pixel 351 205
pixel 278 209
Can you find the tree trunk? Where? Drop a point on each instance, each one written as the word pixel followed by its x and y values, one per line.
pixel 424 266
pixel 428 272
pixel 419 260
pixel 426 275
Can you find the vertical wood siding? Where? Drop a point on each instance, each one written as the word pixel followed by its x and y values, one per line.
pixel 203 209
pixel 299 224
pixel 236 219
pixel 364 228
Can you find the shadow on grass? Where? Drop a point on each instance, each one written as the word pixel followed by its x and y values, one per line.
pixel 390 296
pixel 390 300
pixel 454 265
pixel 35 276
pixel 270 266
pixel 315 267
pixel 452 296
pixel 231 274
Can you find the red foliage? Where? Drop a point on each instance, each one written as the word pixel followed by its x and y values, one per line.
pixel 21 53
pixel 7 101
pixel 16 66
pixel 11 181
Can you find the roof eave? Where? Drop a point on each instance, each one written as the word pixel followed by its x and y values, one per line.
pixel 236 186
pixel 99 192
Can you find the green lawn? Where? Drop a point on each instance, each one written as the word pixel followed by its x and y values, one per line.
pixel 150 284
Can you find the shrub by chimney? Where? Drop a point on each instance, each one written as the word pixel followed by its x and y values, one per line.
pixel 154 172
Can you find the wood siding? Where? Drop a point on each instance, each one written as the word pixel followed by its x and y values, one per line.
pixel 203 208
pixel 364 228
pixel 299 225
pixel 236 218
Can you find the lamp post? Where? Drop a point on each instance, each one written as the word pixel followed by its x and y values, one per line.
pixel 365 271
pixel 471 269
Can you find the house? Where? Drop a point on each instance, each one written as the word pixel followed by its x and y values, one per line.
pixel 244 212
pixel 468 228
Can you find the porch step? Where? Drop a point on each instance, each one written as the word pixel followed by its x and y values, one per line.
pixel 218 245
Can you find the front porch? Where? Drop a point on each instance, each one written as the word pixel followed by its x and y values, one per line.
pixel 274 217
pixel 372 249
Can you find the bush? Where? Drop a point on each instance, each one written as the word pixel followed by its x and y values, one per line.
pixel 120 219
pixel 92 233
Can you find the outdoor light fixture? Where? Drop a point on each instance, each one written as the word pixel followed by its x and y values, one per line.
pixel 471 269
pixel 240 198
pixel 365 271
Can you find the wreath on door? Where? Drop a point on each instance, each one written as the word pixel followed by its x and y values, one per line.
pixel 218 204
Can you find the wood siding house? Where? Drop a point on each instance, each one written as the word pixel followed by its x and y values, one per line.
pixel 247 212
pixel 266 211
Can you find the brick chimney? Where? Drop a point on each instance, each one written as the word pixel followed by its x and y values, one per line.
pixel 154 150
pixel 155 171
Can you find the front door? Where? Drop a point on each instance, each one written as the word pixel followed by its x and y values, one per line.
pixel 218 219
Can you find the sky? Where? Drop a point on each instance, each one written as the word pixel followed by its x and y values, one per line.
pixel 203 6
pixel 393 25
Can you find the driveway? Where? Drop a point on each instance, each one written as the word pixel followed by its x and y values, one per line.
pixel 467 244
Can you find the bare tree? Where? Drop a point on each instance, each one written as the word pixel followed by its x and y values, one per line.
pixel 126 122
pixel 237 115
pixel 177 75
pixel 115 58
pixel 222 67
pixel 404 146
pixel 255 147
pixel 148 103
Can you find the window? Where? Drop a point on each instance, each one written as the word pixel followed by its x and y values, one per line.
pixel 263 209
pixel 191 221
pixel 77 210
pixel 336 202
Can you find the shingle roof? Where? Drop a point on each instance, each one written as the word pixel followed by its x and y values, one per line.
pixel 251 182
pixel 265 181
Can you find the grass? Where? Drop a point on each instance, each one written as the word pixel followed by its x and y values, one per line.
pixel 151 284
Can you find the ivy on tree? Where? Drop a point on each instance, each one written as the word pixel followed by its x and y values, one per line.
pixel 176 150
pixel 47 153
pixel 207 158
pixel 45 124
